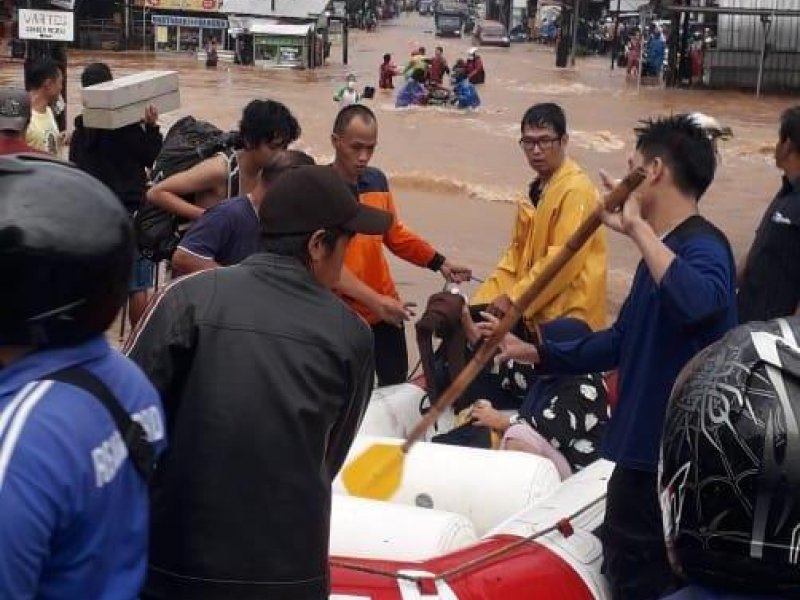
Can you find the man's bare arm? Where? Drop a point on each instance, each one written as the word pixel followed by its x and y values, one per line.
pixel 203 177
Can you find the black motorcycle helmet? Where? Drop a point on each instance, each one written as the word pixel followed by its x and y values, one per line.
pixel 66 250
pixel 729 476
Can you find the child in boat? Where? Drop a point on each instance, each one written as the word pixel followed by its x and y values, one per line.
pixel 347 94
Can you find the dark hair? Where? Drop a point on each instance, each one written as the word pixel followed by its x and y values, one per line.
pixel 39 71
pixel 790 126
pixel 440 48
pixel 418 75
pixel 267 121
pixel 283 161
pixel 295 245
pixel 421 50
pixel 684 146
pixel 546 114
pixel 387 57
pixel 348 113
pixel 96 73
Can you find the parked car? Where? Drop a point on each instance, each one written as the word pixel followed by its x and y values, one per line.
pixel 491 33
pixel 425 7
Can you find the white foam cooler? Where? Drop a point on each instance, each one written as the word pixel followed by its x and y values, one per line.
pixel 380 530
pixel 485 486
pixel 122 101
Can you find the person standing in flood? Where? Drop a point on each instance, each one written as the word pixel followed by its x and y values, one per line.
pixel 439 67
pixel 386 73
pixel 769 278
pixel 366 283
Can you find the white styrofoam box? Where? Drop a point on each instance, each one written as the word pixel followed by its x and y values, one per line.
pixel 105 118
pixel 130 89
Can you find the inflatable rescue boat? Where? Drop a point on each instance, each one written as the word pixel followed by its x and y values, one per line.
pixel 466 523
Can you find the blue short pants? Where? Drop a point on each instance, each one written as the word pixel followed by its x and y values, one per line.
pixel 142 274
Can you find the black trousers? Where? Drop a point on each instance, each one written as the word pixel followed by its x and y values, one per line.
pixel 391 354
pixel 634 554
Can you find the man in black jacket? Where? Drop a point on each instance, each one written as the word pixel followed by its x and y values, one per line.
pixel 118 158
pixel 264 375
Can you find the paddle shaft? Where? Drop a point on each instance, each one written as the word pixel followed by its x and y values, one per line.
pixel 614 200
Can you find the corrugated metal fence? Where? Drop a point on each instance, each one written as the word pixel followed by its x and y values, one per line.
pixel 735 59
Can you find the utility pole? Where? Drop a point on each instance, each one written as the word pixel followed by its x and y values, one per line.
pixel 575 20
pixel 615 41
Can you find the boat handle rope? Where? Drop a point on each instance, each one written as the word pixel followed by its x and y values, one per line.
pixel 563 526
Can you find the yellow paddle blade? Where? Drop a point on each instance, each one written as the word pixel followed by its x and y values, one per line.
pixel 376 473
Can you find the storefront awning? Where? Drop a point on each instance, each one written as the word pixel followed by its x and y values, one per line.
pixel 197 22
pixel 267 27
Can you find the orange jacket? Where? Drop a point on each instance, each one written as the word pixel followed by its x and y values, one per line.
pixel 365 257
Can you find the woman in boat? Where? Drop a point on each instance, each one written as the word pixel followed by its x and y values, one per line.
pixel 562 418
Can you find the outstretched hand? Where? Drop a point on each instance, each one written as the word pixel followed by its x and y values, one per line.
pixel 455 273
pixel 511 347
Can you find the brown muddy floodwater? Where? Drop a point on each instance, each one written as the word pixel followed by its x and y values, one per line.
pixel 455 174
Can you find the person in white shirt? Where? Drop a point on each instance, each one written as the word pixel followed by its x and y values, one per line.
pixel 45 83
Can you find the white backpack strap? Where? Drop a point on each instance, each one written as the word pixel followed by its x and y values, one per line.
pixel 233 169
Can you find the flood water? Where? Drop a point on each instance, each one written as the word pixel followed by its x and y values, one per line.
pixel 456 174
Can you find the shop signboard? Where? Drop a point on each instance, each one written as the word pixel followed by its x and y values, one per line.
pixel 54 25
pixel 189 5
pixel 288 55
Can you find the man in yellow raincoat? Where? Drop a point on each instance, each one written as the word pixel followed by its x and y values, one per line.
pixel 560 198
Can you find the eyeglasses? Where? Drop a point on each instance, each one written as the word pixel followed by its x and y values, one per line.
pixel 544 144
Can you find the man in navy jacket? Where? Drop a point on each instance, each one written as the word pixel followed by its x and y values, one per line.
pixel 682 299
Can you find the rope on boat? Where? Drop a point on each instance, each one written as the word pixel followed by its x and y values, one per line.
pixel 375 571
pixel 564 526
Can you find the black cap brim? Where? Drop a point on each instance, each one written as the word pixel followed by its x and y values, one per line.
pixel 369 221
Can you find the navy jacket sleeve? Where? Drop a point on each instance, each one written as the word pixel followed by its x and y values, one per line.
pixel 596 352
pixel 591 354
pixel 697 284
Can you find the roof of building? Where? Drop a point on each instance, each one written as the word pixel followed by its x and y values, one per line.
pixel 299 9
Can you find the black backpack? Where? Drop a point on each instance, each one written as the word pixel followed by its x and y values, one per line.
pixel 187 143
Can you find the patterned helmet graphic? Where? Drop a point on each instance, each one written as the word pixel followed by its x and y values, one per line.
pixel 730 461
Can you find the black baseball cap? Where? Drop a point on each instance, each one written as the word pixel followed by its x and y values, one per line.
pixel 305 199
